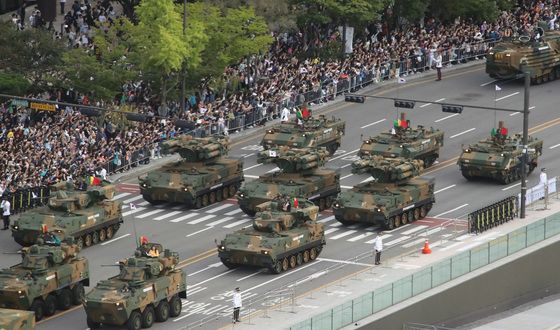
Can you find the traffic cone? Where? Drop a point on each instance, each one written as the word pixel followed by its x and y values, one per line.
pixel 426 249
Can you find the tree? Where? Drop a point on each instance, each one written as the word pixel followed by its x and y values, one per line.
pixel 129 7
pixel 321 12
pixel 410 10
pixel 478 10
pixel 14 84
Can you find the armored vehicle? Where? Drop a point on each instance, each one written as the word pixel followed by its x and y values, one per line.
pixel 540 57
pixel 49 277
pixel 148 288
pixel 282 237
pixel 312 132
pixel 499 157
pixel 395 197
pixel 299 177
pixel 405 141
pixel 89 216
pixel 11 319
pixel 204 176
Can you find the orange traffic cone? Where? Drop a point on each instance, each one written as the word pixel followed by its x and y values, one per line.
pixel 426 249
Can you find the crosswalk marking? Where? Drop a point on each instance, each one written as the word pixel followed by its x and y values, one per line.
pixel 221 207
pixel 233 212
pixel 415 229
pixel 144 215
pixel 397 240
pixel 418 241
pixel 332 230
pixel 382 237
pixel 167 215
pixel 196 290
pixel 185 217
pixel 431 231
pixel 144 204
pixel 359 237
pixel 204 218
pixel 346 233
pixel 337 224
pixel 138 209
pixel 233 224
pixel 135 198
pixel 327 219
pixel 217 222
pixel 121 195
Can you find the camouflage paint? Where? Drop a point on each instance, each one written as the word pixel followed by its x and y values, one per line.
pixel 16 320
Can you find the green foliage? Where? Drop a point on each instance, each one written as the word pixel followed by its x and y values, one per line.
pixel 277 13
pixel 355 12
pixel 13 84
pixel 412 10
pixel 478 10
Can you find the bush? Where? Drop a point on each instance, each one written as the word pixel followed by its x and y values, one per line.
pixel 14 84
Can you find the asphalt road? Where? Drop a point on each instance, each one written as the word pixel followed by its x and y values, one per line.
pixel 192 233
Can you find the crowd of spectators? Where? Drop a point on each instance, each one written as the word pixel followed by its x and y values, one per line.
pixel 41 148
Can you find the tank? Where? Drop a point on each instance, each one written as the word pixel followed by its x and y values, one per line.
pixel 202 177
pixel 89 216
pixel 148 288
pixel 313 132
pixel 513 56
pixel 405 141
pixel 48 277
pixel 299 176
pixel 498 157
pixel 395 197
pixel 16 320
pixel 280 238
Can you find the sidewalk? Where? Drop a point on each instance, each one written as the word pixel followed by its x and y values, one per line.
pixel 333 294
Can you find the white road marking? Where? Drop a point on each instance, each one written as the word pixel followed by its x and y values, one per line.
pixel 455 209
pixel 121 195
pixel 233 224
pixel 359 237
pixel 217 222
pixel 167 215
pixel 346 187
pixel 367 180
pixel 555 146
pixel 415 229
pixel 204 218
pixel 327 219
pixel 233 212
pixel 133 199
pixel 346 176
pixel 251 176
pixel 397 240
pixel 250 167
pixel 250 275
pixel 344 155
pixel 196 290
pixel 185 217
pixel 382 237
pixel 336 224
pixel 343 166
pixel 214 265
pixel 430 232
pixel 505 97
pixel 512 186
pixel 138 209
pixel 377 122
pixel 516 113
pixel 198 232
pixel 446 117
pixel 144 204
pixel 221 207
pixel 464 132
pixel 444 189
pixel 427 104
pixel 115 239
pixel 418 241
pixel 332 230
pixel 344 234
pixel 488 83
pixel 249 155
pixel 345 262
pixel 445 248
pixel 145 215
pixel 273 170
pixel 276 278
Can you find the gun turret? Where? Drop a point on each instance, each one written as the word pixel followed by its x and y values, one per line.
pixel 272 217
pixel 388 170
pixel 197 149
pixel 43 256
pixel 70 201
pixel 292 160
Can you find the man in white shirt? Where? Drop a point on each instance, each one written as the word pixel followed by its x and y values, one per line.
pixel 378 247
pixel 237 303
pixel 5 205
pixel 285 115
pixel 439 64
pixel 543 180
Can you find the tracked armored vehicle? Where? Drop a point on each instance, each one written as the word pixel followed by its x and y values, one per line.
pixel 88 216
pixel 313 132
pixel 395 197
pixel 405 141
pixel 281 238
pixel 499 157
pixel 148 288
pixel 204 176
pixel 11 319
pixel 299 176
pixel 541 58
pixel 49 277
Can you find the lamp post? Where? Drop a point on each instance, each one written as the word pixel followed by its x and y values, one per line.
pixel 525 146
pixel 183 70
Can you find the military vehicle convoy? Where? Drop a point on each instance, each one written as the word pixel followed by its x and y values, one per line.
pixel 300 176
pixel 405 141
pixel 88 216
pixel 499 157
pixel 281 238
pixel 11 319
pixel 148 289
pixel 395 197
pixel 204 176
pixel 48 277
pixel 541 58
pixel 313 132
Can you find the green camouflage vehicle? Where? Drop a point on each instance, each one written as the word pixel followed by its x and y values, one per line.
pixel 314 132
pixel 11 319
pixel 49 277
pixel 281 238
pixel 405 141
pixel 149 288
pixel 204 176
pixel 395 197
pixel 499 157
pixel 541 58
pixel 89 216
pixel 299 177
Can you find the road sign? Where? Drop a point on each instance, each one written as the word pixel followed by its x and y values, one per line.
pixel 19 103
pixel 42 106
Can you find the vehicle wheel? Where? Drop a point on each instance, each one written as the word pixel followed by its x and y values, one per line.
pixel 545 77
pixel 93 325
pixel 78 294
pixel 228 264
pixel 198 202
pixel 293 261
pixel 277 268
pixel 285 264
pixel 232 190
pixel 205 200
pixel 50 305
pixel 225 193
pixel 94 238
pixel 423 212
pixel 87 240
pixel 299 259
pixel 38 306
pixel 404 218
pixel 162 311
pixel 397 221
pixel 148 317
pixel 219 195
pixel 328 202
pixel 110 232
pixel 312 254
pixel 322 204
pixel 80 242
pixel 416 214
pixel 390 224
pixel 305 256
pixel 64 299
pixel 213 197
pixel 175 306
pixel 102 235
pixel 539 80
pixel 134 321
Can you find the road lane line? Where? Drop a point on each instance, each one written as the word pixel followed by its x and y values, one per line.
pixel 132 199
pixel 488 83
pixel 138 209
pixel 121 195
pixel 217 222
pixel 382 237
pixel 327 219
pixel 512 186
pixel 505 97
pixel 456 135
pixel 167 215
pixel 345 262
pixel 346 176
pixel 344 234
pixel 250 176
pixel 273 170
pixel 250 275
pixel 444 189
pixel 196 290
pixel 145 215
pixel 332 230
pixel 554 146
pixel 214 265
pixel 418 241
pixel 204 218
pixel 377 122
pixel 397 240
pixel 415 229
pixel 336 224
pixel 233 224
pixel 215 277
pixel 427 104
pixel 344 155
pixel 346 187
pixel 250 167
pixel 218 208
pixel 516 113
pixel 276 278
pixel 455 209
pixel 343 166
pixel 115 239
pixel 359 237
pixel 446 117
pixel 198 232
pixel 233 212
pixel 185 217
pixel 249 155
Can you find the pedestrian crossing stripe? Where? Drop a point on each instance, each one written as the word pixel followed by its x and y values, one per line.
pixel 217 222
pixel 359 237
pixel 397 240
pixel 344 234
pixel 327 219
pixel 382 237
pixel 138 209
pixel 121 195
pixel 415 229
pixel 221 207
pixel 332 230
pixel 233 224
pixel 147 214
pixel 234 211
pixel 168 215
pixel 199 220
pixel 130 200
pixel 185 217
